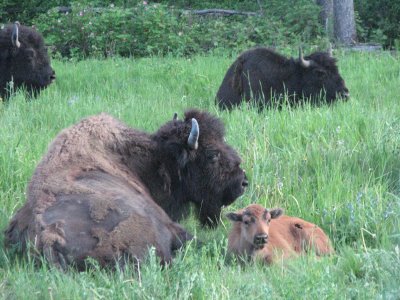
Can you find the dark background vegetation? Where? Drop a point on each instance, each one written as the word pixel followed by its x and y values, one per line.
pixel 142 28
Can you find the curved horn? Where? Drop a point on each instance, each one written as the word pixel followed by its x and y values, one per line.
pixel 194 135
pixel 14 35
pixel 175 117
pixel 303 62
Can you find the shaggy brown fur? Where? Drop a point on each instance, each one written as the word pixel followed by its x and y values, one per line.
pixel 96 192
pixel 261 233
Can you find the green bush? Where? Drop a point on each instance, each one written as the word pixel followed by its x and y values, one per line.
pixel 25 10
pixel 156 29
pixel 379 21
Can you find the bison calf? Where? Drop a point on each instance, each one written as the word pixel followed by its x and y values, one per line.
pixel 107 191
pixel 269 235
pixel 262 75
pixel 23 60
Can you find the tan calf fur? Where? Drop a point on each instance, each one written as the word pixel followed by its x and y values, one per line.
pixel 268 235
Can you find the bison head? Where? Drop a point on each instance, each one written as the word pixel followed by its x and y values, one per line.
pixel 28 61
pixel 206 170
pixel 320 75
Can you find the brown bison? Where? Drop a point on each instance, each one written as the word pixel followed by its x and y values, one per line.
pixel 265 234
pixel 105 190
pixel 23 60
pixel 264 76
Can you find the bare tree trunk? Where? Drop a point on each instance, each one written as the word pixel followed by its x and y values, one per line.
pixel 326 15
pixel 344 22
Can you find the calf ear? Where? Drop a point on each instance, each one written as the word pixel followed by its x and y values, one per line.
pixel 276 213
pixel 234 217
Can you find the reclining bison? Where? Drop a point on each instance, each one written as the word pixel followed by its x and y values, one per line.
pixel 23 60
pixel 264 76
pixel 267 235
pixel 105 190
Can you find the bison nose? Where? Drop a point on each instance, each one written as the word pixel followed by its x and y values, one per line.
pixel 260 239
pixel 53 76
pixel 245 182
pixel 345 93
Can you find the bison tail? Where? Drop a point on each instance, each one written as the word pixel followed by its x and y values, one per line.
pixel 14 238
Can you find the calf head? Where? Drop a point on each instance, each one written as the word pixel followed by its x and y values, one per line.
pixel 28 63
pixel 321 75
pixel 206 169
pixel 254 224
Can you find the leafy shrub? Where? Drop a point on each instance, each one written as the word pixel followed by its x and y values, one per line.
pixel 25 10
pixel 156 29
pixel 379 20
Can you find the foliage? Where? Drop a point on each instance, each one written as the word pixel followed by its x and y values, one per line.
pixel 380 21
pixel 156 29
pixel 25 10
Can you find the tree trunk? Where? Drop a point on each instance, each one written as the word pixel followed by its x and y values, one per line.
pixel 326 15
pixel 344 22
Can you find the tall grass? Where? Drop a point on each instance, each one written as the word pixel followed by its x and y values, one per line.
pixel 337 166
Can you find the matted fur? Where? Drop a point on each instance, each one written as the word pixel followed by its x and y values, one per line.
pixel 28 65
pixel 100 189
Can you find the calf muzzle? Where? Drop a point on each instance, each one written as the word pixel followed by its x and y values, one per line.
pixel 260 240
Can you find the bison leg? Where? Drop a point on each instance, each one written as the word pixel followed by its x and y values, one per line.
pixel 52 241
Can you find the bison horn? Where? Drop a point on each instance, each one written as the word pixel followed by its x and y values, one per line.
pixel 175 117
pixel 194 135
pixel 303 62
pixel 14 35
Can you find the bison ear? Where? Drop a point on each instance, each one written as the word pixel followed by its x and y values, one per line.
pixel 182 158
pixel 276 213
pixel 234 217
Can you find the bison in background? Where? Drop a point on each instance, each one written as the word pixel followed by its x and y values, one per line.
pixel 23 60
pixel 264 76
pixel 268 235
pixel 105 190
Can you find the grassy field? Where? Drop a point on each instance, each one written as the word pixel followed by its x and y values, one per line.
pixel 336 166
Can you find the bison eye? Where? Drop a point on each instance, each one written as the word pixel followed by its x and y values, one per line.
pixel 246 222
pixel 213 156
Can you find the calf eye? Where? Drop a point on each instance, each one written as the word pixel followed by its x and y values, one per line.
pixel 246 222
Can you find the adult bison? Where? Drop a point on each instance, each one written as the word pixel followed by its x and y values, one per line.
pixel 99 190
pixel 266 77
pixel 268 235
pixel 23 60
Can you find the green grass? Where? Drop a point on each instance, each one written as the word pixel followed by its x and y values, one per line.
pixel 336 166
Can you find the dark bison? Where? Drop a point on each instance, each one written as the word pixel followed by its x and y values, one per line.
pixel 265 76
pixel 23 60
pixel 105 190
pixel 268 235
